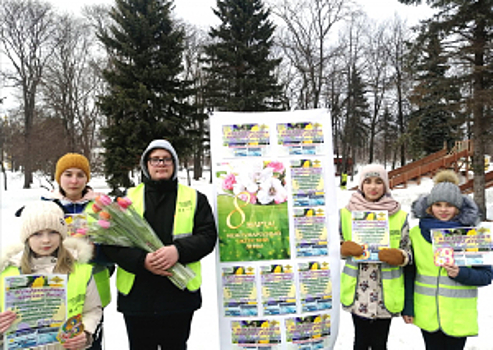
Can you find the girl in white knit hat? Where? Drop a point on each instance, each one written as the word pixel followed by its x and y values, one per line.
pixel 374 292
pixel 45 249
pixel 442 300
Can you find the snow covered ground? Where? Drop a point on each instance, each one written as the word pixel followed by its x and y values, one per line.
pixel 205 330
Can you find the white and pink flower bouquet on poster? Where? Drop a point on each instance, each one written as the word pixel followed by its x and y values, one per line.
pixel 259 182
pixel 118 223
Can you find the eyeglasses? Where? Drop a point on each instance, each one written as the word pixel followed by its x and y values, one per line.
pixel 157 161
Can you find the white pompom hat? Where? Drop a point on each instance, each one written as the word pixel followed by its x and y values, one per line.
pixel 42 215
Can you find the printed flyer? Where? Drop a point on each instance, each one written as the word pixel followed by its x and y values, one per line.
pixel 278 290
pixel 303 138
pixel 315 286
pixel 463 246
pixel 371 230
pixel 256 334
pixel 307 178
pixel 246 140
pixel 278 255
pixel 239 291
pixel 310 231
pixel 308 333
pixel 40 303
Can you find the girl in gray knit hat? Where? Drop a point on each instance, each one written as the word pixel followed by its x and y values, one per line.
pixel 442 300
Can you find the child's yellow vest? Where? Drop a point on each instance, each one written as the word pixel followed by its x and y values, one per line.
pixel 392 276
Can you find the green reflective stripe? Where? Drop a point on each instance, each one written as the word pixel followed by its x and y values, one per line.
pixel 391 274
pixel 445 292
pixel 349 271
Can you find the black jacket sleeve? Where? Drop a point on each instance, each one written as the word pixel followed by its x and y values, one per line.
pixel 130 259
pixel 204 235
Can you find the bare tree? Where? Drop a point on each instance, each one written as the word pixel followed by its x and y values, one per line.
pixel 376 70
pixel 71 82
pixel 305 39
pixel 195 41
pixel 397 51
pixel 27 34
pixel 355 121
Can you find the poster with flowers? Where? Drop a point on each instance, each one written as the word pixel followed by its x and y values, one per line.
pixel 277 219
pixel 252 211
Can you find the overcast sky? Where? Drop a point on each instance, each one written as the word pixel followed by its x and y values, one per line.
pixel 199 11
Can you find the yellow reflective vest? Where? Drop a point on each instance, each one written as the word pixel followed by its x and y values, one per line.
pixel 439 301
pixel 77 283
pixel 186 203
pixel 392 276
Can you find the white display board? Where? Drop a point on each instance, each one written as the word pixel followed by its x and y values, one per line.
pixel 278 261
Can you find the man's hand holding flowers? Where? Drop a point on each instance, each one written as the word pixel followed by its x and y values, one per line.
pixel 119 224
pixel 160 261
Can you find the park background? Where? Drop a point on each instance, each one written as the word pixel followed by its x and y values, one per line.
pixel 376 126
pixel 205 327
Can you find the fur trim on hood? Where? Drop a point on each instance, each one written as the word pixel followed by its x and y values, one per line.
pixel 80 248
pixel 468 212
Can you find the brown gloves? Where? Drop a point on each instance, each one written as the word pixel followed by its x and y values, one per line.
pixel 350 248
pixel 391 256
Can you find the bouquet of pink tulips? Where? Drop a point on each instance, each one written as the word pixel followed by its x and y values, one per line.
pixel 117 223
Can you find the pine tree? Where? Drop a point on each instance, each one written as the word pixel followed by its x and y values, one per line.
pixel 239 59
pixel 436 96
pixel 467 26
pixel 356 128
pixel 146 99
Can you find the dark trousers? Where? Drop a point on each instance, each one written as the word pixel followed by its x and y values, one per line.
pixel 370 334
pixel 440 341
pixel 97 337
pixel 148 332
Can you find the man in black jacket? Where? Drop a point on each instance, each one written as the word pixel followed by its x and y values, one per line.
pixel 156 312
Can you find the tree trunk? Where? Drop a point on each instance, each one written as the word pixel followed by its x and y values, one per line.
pixel 480 129
pixel 4 172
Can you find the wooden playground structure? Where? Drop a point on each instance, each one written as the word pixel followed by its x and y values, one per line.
pixel 457 159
